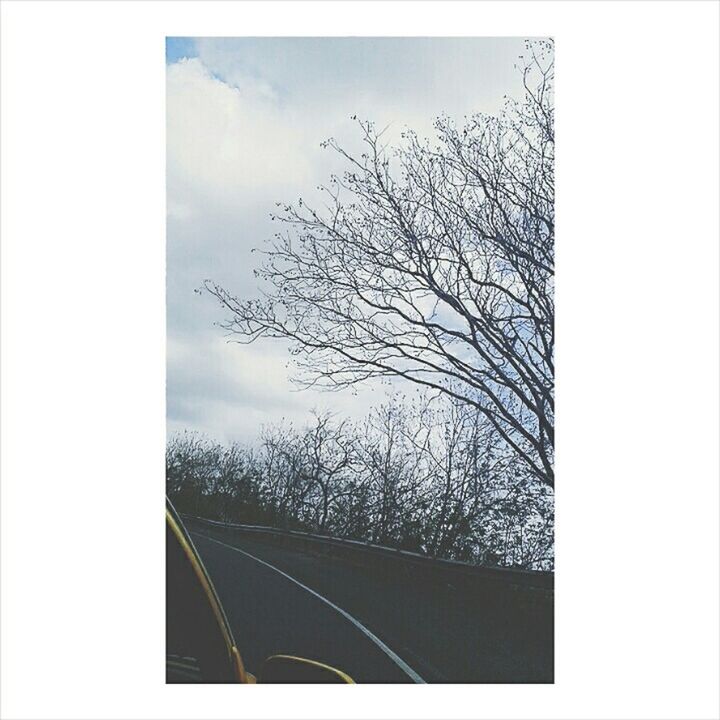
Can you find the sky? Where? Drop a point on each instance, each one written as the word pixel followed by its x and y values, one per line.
pixel 245 119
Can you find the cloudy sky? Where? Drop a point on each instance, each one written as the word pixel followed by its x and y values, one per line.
pixel 245 119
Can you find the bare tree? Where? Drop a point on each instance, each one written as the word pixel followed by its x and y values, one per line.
pixel 191 466
pixel 431 475
pixel 433 264
pixel 282 474
pixel 328 451
pixel 391 474
pixel 306 472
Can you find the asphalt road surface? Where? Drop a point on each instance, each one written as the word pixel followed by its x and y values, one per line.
pixel 376 629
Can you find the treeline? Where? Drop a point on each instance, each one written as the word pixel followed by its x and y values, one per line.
pixel 429 476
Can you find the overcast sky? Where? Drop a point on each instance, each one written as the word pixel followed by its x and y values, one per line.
pixel 245 119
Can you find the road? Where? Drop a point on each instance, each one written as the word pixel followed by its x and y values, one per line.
pixel 377 629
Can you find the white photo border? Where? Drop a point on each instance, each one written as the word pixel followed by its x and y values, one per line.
pixel 83 354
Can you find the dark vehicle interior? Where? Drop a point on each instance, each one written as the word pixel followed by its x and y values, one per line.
pixel 196 648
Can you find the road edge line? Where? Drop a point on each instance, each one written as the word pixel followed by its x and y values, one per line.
pixel 390 653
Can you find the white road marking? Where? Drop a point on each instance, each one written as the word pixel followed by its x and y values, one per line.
pixel 393 656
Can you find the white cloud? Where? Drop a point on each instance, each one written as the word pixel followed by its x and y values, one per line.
pixel 229 391
pixel 227 142
pixel 244 123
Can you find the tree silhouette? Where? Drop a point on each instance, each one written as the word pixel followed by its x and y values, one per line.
pixel 432 263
